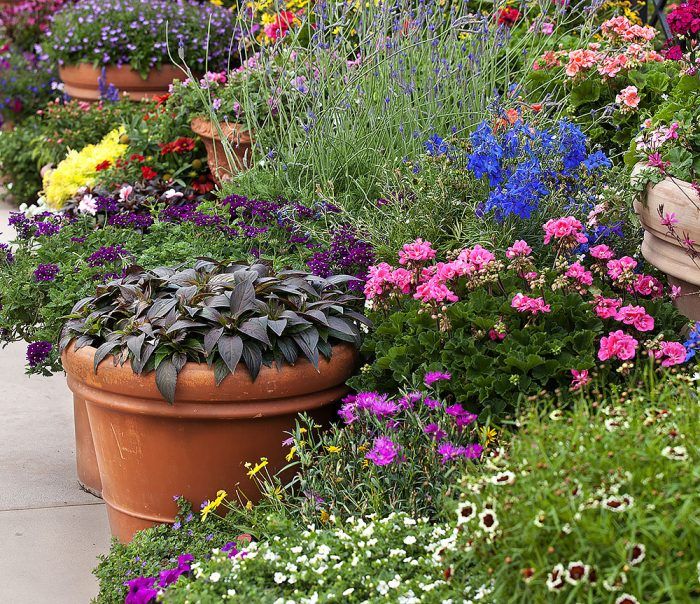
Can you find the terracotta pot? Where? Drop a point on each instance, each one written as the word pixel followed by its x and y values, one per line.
pixel 86 460
pixel 148 451
pixel 664 251
pixel 241 143
pixel 80 81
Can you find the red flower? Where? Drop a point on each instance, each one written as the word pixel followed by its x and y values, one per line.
pixel 148 173
pixel 508 16
pixel 103 165
pixel 137 157
pixel 203 184
pixel 181 145
pixel 162 99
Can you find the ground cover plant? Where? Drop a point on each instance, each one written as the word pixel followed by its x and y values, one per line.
pixel 611 488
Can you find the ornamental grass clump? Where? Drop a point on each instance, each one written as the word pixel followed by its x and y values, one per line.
pixel 218 313
pixel 510 327
pixel 594 505
pixel 142 33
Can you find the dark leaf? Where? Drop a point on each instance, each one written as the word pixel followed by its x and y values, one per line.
pixel 166 379
pixel 230 349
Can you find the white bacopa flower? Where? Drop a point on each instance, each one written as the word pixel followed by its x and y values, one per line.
pixel 172 194
pixel 296 549
pixel 348 591
pixel 395 582
pixel 506 477
pixel 465 512
pixel 679 453
pixel 618 503
pixel 409 540
pixel 488 521
pixel 214 577
pixel 279 578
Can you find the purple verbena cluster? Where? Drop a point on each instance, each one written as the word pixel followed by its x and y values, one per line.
pixel 347 254
pixel 46 272
pixel 45 224
pixel 107 254
pixel 38 352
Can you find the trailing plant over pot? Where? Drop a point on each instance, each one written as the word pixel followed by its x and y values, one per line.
pixel 216 313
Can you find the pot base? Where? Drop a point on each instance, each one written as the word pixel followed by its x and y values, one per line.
pixel 85 457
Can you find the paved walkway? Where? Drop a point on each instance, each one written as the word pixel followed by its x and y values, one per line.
pixel 50 530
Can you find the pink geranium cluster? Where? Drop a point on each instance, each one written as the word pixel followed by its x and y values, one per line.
pixel 428 283
pixel 622 28
pixel 526 304
pixel 684 19
pixel 567 230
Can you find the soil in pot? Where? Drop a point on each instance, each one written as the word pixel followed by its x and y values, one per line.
pixel 149 451
pixel 81 81
pixel 240 142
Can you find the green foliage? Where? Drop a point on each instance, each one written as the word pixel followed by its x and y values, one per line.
pixel 45 138
pixel 611 488
pixel 157 549
pixel 357 560
pixel 218 313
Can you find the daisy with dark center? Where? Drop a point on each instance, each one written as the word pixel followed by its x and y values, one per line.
pixel 637 553
pixel 616 503
pixel 627 599
pixel 576 572
pixel 506 477
pixel 465 512
pixel 488 521
pixel 555 580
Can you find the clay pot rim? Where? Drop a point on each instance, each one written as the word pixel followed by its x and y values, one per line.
pixel 667 181
pixel 203 127
pixel 194 377
pixel 72 67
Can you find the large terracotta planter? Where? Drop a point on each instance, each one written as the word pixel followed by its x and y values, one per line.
pixel 80 81
pixel 85 457
pixel 239 139
pixel 149 451
pixel 664 251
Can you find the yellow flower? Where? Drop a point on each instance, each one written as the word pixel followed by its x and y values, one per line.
pixel 291 453
pixel 303 430
pixel 334 449
pixel 257 468
pixel 324 516
pixel 249 505
pixel 77 169
pixel 365 463
pixel 489 435
pixel 212 505
pixel 217 2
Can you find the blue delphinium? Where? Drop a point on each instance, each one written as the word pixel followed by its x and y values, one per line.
pixel 524 164
pixel 436 146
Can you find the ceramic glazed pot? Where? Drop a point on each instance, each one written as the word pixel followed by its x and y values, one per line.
pixel 662 250
pixel 240 140
pixel 148 451
pixel 80 81
pixel 85 457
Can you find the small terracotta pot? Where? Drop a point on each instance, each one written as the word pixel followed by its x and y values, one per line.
pixel 241 143
pixel 662 250
pixel 80 81
pixel 149 451
pixel 86 460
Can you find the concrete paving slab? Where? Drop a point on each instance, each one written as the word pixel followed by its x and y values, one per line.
pixel 47 555
pixel 37 442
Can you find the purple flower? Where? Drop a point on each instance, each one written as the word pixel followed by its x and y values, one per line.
pixel 347 413
pixel 434 376
pixel 38 352
pixel 46 272
pixel 141 591
pixel 383 452
pixel 450 452
pixel 431 403
pixel 435 431
pixel 5 249
pixel 107 254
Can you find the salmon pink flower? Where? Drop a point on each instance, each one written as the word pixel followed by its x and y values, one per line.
pixel 629 97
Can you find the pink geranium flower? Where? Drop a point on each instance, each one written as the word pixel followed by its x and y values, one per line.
pixel 606 308
pixel 670 353
pixel 523 303
pixel 579 378
pixel 617 344
pixel 518 249
pixel 636 316
pixel 629 97
pixel 578 273
pixel 623 266
pixel 567 228
pixel 601 252
pixel 418 251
